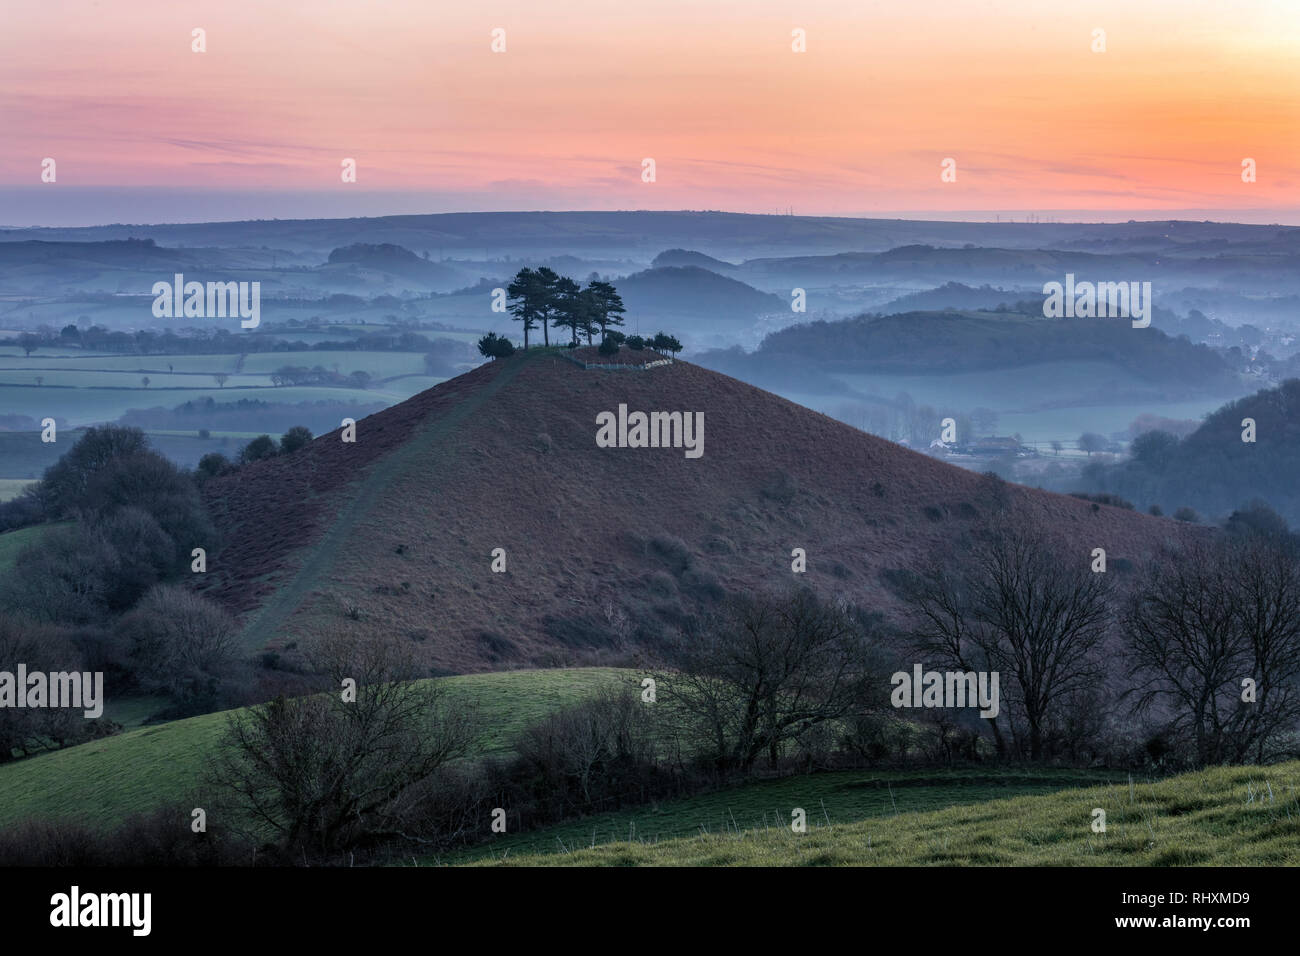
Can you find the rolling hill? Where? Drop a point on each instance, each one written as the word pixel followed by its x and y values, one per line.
pixel 606 548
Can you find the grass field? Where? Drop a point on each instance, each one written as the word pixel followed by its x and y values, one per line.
pixel 88 406
pixel 106 780
pixel 841 797
pixel 12 487
pixel 11 542
pixel 1223 816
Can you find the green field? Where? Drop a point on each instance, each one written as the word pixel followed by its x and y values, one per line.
pixel 109 779
pixel 842 797
pixel 88 406
pixel 12 487
pixel 1222 817
pixel 11 542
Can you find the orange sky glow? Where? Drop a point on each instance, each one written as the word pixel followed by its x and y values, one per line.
pixel 733 118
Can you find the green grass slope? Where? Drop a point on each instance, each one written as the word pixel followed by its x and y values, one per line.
pixel 102 782
pixel 841 797
pixel 1222 816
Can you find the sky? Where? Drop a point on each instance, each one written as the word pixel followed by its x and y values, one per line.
pixel 1012 91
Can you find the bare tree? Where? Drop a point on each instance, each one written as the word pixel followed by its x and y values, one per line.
pixel 1012 601
pixel 325 773
pixel 1211 616
pixel 765 670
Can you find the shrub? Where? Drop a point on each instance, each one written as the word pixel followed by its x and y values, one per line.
pixel 182 643
pixel 211 465
pixel 295 438
pixel 635 343
pixel 259 449
pixel 608 346
pixel 1187 514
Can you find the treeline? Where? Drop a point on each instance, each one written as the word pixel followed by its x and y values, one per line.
pixel 935 342
pixel 245 414
pixel 221 342
pixel 1213 471
pixel 100 588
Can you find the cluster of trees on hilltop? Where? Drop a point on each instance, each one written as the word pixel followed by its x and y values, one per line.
pixel 543 296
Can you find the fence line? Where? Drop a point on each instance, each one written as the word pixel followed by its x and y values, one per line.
pixel 639 368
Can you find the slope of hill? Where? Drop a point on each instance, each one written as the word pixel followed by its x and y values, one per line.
pixel 944 342
pixel 1225 816
pixel 688 257
pixel 606 548
pixel 104 781
pixel 1213 470
pixel 396 261
pixel 692 292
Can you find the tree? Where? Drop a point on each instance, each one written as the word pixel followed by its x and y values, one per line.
pixel 1010 600
pixel 295 438
pixel 487 345
pixel 220 378
pixel 145 381
pixel 29 343
pixel 607 346
pixel 666 343
pixel 766 669
pixel 1090 442
pixel 261 447
pixel 326 773
pixel 181 643
pixel 359 379
pixel 635 343
pixel 525 296
pixel 66 481
pixel 40 380
pixel 1154 449
pixel 608 307
pixel 1209 615
pixel 212 464
pixel 569 306
pixel 550 298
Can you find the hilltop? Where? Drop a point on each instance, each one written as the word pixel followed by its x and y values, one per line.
pixel 606 548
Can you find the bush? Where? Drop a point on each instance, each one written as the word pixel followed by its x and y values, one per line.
pixel 211 465
pixel 259 449
pixel 1187 514
pixel 495 346
pixel 295 438
pixel 183 645
pixel 635 343
pixel 66 481
pixel 608 347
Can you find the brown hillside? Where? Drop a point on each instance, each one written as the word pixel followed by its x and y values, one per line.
pixel 603 545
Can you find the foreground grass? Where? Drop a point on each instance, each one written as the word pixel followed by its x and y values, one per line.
pixel 1223 816
pixel 836 798
pixel 102 782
